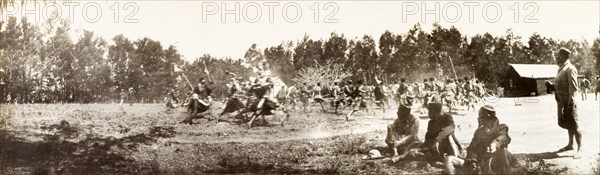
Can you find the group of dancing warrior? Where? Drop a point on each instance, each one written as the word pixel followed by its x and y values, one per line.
pixel 360 96
pixel 244 97
pixel 258 96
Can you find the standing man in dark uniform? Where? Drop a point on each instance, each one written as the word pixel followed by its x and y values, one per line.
pixel 566 85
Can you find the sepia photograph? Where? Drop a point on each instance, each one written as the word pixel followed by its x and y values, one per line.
pixel 299 87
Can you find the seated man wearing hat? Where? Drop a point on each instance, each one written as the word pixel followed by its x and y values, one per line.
pixel 487 153
pixel 439 139
pixel 404 131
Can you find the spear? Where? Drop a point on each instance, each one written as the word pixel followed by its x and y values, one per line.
pixel 453 71
pixel 176 69
pixel 206 71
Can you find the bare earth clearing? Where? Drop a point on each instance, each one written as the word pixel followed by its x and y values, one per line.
pixel 148 139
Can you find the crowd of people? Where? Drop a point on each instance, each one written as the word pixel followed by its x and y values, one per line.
pixel 360 96
pixel 487 153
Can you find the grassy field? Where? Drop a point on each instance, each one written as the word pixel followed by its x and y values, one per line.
pixel 148 139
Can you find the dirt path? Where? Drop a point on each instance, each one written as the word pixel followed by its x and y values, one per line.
pixel 322 130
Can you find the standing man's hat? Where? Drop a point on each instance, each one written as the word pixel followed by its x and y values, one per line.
pixel 564 50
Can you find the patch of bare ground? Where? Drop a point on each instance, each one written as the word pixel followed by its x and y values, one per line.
pixel 149 139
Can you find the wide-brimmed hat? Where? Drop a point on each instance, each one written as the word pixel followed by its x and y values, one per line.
pixel 373 154
pixel 564 50
pixel 488 109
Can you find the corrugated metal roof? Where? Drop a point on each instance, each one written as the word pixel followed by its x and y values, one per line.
pixel 536 70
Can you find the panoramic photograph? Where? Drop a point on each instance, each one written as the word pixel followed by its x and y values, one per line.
pixel 299 87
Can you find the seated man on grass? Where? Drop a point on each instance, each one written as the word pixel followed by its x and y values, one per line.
pixel 487 153
pixel 439 139
pixel 403 133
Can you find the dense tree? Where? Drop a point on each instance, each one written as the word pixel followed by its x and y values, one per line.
pixel 386 50
pixel 335 48
pixel 540 50
pixel 363 58
pixel 119 57
pixel 596 53
pixel 43 63
pixel 280 60
pixel 307 53
pixel 92 70
pixel 412 53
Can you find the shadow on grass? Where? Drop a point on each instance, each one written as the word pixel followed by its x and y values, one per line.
pixel 534 163
pixel 56 153
pixel 534 157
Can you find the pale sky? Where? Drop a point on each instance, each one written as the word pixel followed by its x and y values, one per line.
pixel 195 27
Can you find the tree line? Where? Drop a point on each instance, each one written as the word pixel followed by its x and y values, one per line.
pixel 43 62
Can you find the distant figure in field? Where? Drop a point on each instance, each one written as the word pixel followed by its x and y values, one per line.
pixel 8 98
pixel 448 94
pixel 122 95
pixel 130 96
pixel 380 94
pixel 396 92
pixel 317 96
pixel 338 96
pixel 304 96
pixel 566 86
pixel 172 97
pixel 357 95
pixel 597 86
pixel 585 85
pixel 292 97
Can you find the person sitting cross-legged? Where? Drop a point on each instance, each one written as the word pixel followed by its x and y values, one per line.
pixel 403 133
pixel 439 139
pixel 487 153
